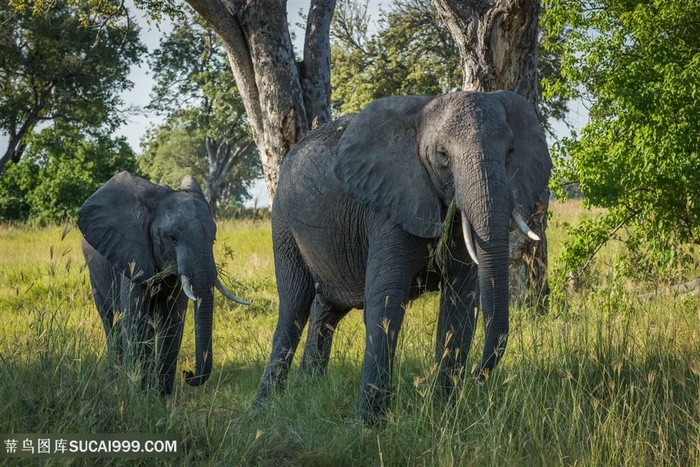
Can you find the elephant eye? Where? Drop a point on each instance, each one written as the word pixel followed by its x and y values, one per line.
pixel 172 239
pixel 509 156
pixel 442 156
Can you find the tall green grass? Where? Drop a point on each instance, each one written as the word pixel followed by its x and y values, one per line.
pixel 607 379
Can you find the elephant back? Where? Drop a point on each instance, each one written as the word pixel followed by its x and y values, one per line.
pixel 307 169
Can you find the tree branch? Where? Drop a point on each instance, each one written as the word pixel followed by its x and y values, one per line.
pixel 222 15
pixel 15 147
pixel 316 68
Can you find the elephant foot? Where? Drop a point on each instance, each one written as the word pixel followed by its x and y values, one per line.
pixel 450 381
pixel 312 369
pixel 258 403
pixel 370 418
pixel 481 375
pixel 262 398
pixel 373 407
pixel 165 387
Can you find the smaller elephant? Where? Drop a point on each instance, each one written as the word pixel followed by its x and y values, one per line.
pixel 148 249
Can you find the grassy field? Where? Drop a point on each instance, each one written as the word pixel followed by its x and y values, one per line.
pixel 607 379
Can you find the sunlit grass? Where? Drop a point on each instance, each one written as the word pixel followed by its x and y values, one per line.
pixel 565 215
pixel 609 379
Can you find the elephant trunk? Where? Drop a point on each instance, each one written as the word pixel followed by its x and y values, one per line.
pixel 484 199
pixel 203 310
pixel 493 289
pixel 203 289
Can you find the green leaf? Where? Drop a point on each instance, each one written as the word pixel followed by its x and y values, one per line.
pixel 639 155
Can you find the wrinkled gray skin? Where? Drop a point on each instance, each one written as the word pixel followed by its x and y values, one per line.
pixel 133 230
pixel 358 211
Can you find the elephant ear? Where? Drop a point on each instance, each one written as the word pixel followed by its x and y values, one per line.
pixel 115 221
pixel 530 165
pixel 190 184
pixel 378 165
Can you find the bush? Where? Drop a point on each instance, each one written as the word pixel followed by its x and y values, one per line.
pixel 60 169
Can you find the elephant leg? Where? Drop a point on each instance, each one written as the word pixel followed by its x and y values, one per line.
pixel 138 328
pixel 107 305
pixel 169 338
pixel 322 323
pixel 459 302
pixel 392 264
pixel 105 291
pixel 295 288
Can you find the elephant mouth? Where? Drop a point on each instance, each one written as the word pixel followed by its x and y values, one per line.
pixel 469 239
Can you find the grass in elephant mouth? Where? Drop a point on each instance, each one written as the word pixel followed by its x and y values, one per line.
pixel 603 379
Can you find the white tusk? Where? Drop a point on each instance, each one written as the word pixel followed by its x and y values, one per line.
pixel 524 227
pixel 187 288
pixel 228 294
pixel 468 240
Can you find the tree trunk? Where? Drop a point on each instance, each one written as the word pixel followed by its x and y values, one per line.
pixel 497 43
pixel 13 152
pixel 256 38
pixel 221 156
pixel 528 262
pixel 16 143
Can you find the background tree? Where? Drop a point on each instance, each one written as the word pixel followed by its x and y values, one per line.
pixel 282 98
pixel 60 65
pixel 497 43
pixel 173 150
pixel 61 167
pixel 196 90
pixel 637 65
pixel 411 52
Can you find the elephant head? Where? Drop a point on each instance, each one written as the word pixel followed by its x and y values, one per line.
pixel 408 157
pixel 145 231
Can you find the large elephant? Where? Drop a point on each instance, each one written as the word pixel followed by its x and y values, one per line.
pixel 359 213
pixel 145 244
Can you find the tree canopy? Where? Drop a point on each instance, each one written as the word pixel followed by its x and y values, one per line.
pixel 60 65
pixel 637 65
pixel 412 52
